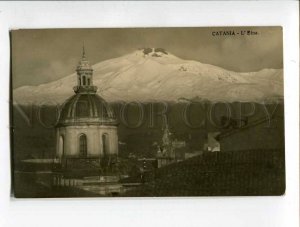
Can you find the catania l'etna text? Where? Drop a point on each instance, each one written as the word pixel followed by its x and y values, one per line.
pixel 234 33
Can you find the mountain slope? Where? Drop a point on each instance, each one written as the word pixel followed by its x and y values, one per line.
pixel 158 75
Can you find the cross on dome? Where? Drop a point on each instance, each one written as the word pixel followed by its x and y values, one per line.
pixel 83 51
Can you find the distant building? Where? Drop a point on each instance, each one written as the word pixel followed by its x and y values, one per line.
pixel 87 128
pixel 212 144
pixel 192 154
pixel 169 150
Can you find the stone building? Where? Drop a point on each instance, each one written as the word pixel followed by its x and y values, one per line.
pixel 87 127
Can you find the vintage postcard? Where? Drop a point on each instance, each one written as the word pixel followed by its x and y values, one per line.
pixel 137 112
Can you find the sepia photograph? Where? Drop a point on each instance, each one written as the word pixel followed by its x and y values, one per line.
pixel 147 112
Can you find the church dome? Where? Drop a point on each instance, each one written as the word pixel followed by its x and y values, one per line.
pixel 86 108
pixel 86 127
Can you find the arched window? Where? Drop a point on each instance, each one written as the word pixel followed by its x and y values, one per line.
pixel 89 81
pixel 82 146
pixel 61 146
pixel 84 80
pixel 105 144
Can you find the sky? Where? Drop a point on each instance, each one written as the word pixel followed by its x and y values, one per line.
pixel 45 55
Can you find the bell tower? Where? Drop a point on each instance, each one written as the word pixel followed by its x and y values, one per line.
pixel 84 76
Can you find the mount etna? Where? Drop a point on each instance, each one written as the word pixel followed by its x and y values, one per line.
pixel 153 74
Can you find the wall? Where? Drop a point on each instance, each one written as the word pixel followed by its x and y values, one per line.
pixel 261 136
pixel 94 139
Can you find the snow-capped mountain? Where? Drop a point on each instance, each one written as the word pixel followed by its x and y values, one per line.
pixel 152 74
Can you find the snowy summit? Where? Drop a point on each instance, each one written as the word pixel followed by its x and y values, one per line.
pixel 153 74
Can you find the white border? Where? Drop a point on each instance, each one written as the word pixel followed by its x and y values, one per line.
pixel 203 211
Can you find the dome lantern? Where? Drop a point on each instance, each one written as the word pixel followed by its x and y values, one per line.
pixel 84 76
